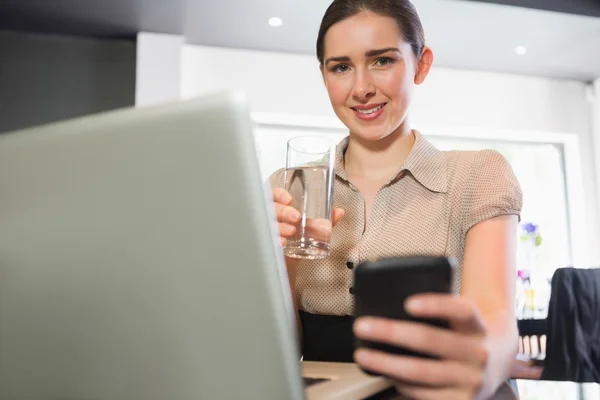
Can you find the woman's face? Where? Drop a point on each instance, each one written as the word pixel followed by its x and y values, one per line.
pixel 370 73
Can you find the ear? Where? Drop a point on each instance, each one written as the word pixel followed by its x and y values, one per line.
pixel 423 65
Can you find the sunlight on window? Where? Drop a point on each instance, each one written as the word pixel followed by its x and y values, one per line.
pixel 271 144
pixel 535 390
pixel 539 168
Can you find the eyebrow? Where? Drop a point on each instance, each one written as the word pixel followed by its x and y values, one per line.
pixel 370 53
pixel 337 59
pixel 374 53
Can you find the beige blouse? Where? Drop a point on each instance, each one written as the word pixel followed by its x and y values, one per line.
pixel 426 208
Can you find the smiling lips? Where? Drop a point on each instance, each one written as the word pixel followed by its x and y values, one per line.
pixel 368 112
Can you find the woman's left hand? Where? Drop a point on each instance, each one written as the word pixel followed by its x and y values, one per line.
pixel 459 371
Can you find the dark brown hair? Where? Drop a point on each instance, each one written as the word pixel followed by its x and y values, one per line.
pixel 402 11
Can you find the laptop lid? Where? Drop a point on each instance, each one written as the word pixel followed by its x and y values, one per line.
pixel 137 260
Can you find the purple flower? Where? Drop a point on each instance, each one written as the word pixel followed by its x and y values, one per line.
pixel 529 227
pixel 523 274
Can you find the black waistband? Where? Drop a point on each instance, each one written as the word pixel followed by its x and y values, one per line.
pixel 327 337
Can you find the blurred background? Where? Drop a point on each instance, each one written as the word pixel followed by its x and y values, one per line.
pixel 518 76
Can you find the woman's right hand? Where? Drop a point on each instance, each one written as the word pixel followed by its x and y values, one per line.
pixel 288 217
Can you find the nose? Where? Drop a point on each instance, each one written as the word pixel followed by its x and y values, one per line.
pixel 363 86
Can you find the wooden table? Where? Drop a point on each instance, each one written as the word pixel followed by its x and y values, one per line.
pixel 349 382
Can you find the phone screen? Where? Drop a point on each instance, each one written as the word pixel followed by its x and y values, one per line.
pixel 381 288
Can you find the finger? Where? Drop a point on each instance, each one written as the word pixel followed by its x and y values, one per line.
pixel 419 371
pixel 462 313
pixel 318 229
pixel 281 196
pixel 287 214
pixel 423 338
pixel 337 214
pixel 286 229
pixel 427 393
pixel 283 241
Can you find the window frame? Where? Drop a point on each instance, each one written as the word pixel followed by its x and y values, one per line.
pixel 567 143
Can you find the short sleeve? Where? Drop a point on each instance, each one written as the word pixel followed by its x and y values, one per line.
pixel 491 190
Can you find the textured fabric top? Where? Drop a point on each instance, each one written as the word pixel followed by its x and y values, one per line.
pixel 426 208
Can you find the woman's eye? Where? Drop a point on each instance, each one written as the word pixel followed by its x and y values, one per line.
pixel 341 68
pixel 384 61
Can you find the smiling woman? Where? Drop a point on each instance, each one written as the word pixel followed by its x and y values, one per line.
pixel 352 67
pixel 395 194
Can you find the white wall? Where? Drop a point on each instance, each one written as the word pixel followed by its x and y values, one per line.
pixel 594 100
pixel 275 82
pixel 502 101
pixel 158 73
pixel 291 85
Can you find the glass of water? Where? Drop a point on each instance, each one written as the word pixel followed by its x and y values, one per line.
pixel 309 180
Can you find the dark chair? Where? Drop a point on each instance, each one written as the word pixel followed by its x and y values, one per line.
pixel 532 338
pixel 573 327
pixel 532 347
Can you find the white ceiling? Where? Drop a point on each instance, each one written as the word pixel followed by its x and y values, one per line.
pixel 463 34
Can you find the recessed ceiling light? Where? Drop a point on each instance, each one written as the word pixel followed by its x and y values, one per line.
pixel 275 22
pixel 521 50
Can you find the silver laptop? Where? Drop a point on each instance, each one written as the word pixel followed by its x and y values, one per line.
pixel 138 262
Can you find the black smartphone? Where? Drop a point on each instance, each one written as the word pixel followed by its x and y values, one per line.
pixel 382 286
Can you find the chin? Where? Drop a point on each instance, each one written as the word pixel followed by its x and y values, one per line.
pixel 369 131
pixel 369 134
pixel 366 130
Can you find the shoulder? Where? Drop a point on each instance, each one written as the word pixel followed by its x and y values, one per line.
pixel 467 159
pixel 478 167
pixel 484 184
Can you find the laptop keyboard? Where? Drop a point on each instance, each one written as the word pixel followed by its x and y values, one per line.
pixel 313 381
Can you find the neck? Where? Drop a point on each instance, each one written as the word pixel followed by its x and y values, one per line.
pixel 380 159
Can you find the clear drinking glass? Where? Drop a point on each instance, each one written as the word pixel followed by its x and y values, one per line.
pixel 309 180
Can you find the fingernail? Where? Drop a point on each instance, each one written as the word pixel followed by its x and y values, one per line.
pixel 286 198
pixel 414 305
pixel 295 215
pixel 363 326
pixel 361 356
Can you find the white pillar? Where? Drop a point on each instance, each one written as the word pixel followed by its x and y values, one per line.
pixel 158 73
pixel 594 99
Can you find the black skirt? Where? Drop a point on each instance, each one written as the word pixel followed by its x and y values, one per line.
pixel 327 337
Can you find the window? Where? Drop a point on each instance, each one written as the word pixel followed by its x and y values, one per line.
pixel 271 144
pixel 538 166
pixel 536 390
pixel 539 169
